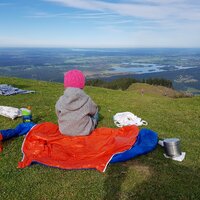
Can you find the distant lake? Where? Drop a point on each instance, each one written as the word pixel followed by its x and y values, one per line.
pixel 141 68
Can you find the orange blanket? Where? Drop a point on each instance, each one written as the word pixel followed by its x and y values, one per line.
pixel 45 144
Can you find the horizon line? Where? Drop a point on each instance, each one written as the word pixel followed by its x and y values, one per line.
pixel 60 47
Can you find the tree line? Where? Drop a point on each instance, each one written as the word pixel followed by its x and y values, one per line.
pixel 124 83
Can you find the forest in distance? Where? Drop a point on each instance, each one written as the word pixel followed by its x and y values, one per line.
pixel 181 66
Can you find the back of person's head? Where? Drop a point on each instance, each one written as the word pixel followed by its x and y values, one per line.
pixel 74 78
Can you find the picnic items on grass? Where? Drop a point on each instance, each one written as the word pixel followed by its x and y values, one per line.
pixel 127 119
pixel 7 90
pixel 172 149
pixel 10 112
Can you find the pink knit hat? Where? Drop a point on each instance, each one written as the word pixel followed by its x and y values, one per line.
pixel 74 78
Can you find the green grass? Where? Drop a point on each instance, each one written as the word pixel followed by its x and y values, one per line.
pixel 155 90
pixel 147 177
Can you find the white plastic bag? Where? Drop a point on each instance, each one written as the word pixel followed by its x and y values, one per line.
pixel 10 112
pixel 127 119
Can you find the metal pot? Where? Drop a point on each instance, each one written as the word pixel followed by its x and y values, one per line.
pixel 172 147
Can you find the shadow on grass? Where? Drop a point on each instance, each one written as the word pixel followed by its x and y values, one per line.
pixel 167 179
pixel 21 86
pixel 100 117
pixel 116 175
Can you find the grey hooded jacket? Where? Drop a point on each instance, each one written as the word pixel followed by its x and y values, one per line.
pixel 74 111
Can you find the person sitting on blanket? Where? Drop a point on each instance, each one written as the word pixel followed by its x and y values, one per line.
pixel 77 113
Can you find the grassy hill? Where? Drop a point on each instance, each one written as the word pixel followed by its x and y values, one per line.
pixel 155 90
pixel 147 177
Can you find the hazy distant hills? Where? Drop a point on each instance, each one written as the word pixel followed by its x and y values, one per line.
pixel 181 66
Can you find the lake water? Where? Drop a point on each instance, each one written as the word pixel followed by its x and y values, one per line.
pixel 141 68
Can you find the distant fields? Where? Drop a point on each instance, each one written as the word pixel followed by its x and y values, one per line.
pixel 181 66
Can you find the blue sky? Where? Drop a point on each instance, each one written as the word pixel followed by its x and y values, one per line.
pixel 99 23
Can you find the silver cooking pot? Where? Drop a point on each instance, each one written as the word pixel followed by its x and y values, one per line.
pixel 172 147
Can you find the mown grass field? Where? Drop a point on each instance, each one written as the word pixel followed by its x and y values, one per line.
pixel 147 177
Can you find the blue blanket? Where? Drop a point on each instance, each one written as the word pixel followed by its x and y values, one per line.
pixel 7 90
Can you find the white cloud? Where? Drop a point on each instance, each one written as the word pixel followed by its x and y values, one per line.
pixel 125 23
pixel 74 15
pixel 83 4
pixel 148 9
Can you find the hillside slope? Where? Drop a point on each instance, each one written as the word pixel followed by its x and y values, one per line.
pixel 155 90
pixel 146 177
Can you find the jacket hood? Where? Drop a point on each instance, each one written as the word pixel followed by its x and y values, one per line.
pixel 73 98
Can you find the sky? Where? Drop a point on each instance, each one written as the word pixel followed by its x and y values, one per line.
pixel 100 23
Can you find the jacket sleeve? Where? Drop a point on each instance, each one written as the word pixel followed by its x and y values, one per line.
pixel 92 107
pixel 57 108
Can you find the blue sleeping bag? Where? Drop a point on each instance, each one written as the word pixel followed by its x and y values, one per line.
pixel 147 141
